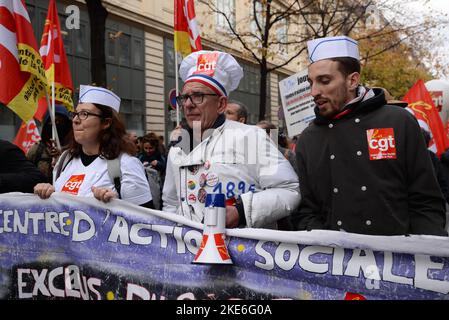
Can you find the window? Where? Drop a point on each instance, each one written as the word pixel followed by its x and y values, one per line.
pixel 282 36
pixel 111 50
pixel 260 20
pixel 125 49
pixel 81 40
pixel 133 114
pixel 66 38
pixel 259 15
pixel 228 8
pixel 138 53
pixel 125 56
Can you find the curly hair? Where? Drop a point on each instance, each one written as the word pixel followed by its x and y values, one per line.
pixel 113 140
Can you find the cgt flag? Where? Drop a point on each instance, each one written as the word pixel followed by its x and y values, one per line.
pixel 420 103
pixel 57 68
pixel 27 136
pixel 22 73
pixel 187 33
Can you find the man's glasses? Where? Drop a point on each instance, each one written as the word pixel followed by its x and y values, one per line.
pixel 83 115
pixel 195 98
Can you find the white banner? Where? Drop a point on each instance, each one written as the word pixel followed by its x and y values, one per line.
pixel 297 102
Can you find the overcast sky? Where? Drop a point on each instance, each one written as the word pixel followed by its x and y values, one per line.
pixel 440 6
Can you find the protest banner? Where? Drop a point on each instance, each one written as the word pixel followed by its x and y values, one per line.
pixel 297 102
pixel 69 247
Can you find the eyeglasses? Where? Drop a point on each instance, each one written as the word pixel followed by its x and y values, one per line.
pixel 83 115
pixel 195 98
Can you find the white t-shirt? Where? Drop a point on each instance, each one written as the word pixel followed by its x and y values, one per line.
pixel 78 179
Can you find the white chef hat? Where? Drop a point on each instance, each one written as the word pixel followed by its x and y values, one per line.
pixel 332 47
pixel 217 70
pixel 90 94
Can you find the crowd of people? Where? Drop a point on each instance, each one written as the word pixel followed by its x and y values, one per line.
pixel 361 166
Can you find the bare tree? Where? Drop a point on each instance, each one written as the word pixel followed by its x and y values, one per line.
pixel 309 19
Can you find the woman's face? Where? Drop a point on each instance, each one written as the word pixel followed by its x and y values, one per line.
pixel 148 148
pixel 86 131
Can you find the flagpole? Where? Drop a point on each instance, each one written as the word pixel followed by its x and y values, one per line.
pixel 51 111
pixel 177 86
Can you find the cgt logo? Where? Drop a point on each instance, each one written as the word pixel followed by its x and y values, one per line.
pixel 381 143
pixel 206 64
pixel 73 185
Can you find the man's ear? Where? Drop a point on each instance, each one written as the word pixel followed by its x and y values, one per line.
pixel 353 81
pixel 223 102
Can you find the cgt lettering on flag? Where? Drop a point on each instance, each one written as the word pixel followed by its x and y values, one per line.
pixel 27 136
pixel 56 66
pixel 421 105
pixel 22 73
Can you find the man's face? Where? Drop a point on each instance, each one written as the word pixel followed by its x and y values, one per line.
pixel 232 113
pixel 331 90
pixel 207 111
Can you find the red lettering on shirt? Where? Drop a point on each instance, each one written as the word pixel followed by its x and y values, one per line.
pixel 381 143
pixel 73 185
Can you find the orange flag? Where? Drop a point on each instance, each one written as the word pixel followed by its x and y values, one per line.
pixel 421 104
pixel 27 136
pixel 57 68
pixel 22 74
pixel 187 33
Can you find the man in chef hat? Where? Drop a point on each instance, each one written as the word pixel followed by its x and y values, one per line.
pixel 219 162
pixel 363 164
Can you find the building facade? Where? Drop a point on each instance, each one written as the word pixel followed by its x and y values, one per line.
pixel 141 60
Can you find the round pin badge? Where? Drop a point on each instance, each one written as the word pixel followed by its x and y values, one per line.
pixel 193 169
pixel 203 178
pixel 212 179
pixel 202 195
pixel 207 165
pixel 192 198
pixel 191 184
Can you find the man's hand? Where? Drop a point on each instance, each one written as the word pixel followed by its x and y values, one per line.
pixel 104 194
pixel 232 217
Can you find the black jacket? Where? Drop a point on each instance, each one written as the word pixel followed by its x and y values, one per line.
pixel 17 173
pixel 342 189
pixel 441 175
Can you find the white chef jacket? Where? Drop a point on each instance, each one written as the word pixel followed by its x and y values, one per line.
pixel 237 160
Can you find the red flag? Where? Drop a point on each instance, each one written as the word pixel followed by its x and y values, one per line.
pixel 421 104
pixel 57 68
pixel 27 136
pixel 354 296
pixel 22 75
pixel 187 33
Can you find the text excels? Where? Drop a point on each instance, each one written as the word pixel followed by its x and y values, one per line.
pixel 60 282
